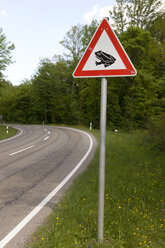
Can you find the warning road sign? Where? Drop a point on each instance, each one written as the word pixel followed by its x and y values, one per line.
pixel 104 56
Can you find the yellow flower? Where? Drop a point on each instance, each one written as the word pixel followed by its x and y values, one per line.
pixel 57 218
pixel 75 242
pixel 42 238
pixel 119 206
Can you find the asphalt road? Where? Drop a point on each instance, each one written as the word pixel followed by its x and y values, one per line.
pixel 36 168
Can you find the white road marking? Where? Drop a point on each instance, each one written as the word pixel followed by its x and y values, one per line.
pixel 21 225
pixel 46 138
pixel 21 150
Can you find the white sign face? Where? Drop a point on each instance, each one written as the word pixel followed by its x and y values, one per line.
pixel 104 49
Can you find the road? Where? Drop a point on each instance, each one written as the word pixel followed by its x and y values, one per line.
pixel 36 168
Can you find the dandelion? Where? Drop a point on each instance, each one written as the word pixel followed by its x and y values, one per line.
pixel 75 242
pixel 42 238
pixel 57 218
pixel 119 206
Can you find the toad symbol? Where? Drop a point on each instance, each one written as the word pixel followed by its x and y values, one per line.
pixel 104 58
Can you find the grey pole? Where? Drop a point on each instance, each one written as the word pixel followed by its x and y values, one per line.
pixel 103 109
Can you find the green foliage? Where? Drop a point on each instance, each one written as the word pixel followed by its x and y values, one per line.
pixel 5 52
pixel 77 39
pixel 135 13
pixel 118 16
pixel 141 101
pixel 156 132
pixel 141 47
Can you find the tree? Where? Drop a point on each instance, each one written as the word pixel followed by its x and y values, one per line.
pixel 142 13
pixel 5 52
pixel 140 47
pixel 135 13
pixel 8 100
pixel 157 31
pixel 118 16
pixel 77 39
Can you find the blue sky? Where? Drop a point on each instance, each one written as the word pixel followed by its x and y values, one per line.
pixel 37 26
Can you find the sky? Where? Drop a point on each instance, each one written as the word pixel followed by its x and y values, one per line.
pixel 37 26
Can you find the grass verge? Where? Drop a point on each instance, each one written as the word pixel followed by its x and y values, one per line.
pixel 134 200
pixel 3 133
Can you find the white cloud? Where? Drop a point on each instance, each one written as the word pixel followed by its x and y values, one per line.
pixel 97 13
pixel 89 16
pixel 163 1
pixel 104 12
pixel 4 13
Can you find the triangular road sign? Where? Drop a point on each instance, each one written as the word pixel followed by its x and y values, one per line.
pixel 104 56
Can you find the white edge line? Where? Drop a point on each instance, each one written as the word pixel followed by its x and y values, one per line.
pixel 21 150
pixel 21 225
pixel 46 138
pixel 21 131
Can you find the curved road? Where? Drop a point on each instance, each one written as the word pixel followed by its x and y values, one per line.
pixel 36 167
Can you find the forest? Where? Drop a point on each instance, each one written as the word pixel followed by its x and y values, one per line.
pixel 53 96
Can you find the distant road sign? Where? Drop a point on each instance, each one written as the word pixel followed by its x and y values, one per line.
pixel 104 56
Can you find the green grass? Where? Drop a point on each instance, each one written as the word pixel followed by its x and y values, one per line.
pixel 11 132
pixel 134 200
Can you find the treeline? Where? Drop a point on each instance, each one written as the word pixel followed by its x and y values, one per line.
pixel 52 95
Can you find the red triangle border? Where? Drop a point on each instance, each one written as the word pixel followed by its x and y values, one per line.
pixel 129 71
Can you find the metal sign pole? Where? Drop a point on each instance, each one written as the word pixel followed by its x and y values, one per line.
pixel 103 109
